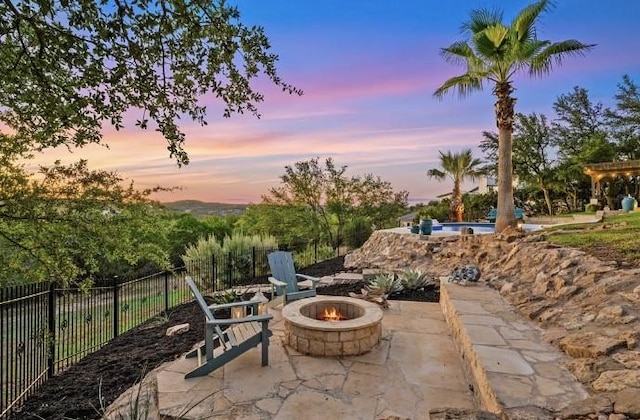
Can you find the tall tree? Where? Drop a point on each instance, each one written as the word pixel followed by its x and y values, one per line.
pixel 459 167
pixel 580 128
pixel 67 67
pixel 496 52
pixel 625 119
pixel 533 157
pixel 333 197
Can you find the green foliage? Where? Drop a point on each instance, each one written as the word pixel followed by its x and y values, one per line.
pixel 235 253
pixel 333 198
pixel 459 167
pixel 413 279
pixel 184 230
pixel 385 284
pixel 591 208
pixel 69 223
pixel 495 51
pixel 357 231
pixel 619 239
pixel 289 224
pixel 68 67
pixel 435 209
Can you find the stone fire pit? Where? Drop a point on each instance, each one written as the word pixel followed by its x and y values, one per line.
pixel 307 334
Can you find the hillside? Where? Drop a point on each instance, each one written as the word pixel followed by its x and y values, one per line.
pixel 200 208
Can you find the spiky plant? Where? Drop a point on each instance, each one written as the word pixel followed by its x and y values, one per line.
pixel 385 284
pixel 413 279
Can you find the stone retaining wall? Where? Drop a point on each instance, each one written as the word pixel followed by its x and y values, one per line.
pixel 587 307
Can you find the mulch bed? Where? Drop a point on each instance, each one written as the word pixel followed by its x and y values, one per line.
pixel 74 393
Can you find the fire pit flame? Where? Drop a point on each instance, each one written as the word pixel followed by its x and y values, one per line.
pixel 332 314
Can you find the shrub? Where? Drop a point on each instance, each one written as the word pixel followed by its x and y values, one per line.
pixel 591 208
pixel 357 231
pixel 235 254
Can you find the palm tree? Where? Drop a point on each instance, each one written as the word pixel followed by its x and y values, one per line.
pixel 495 52
pixel 459 166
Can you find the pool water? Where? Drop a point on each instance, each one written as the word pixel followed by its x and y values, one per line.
pixel 477 227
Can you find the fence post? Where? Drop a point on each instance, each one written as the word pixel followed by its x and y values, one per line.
pixel 51 359
pixel 116 308
pixel 213 272
pixel 166 291
pixel 230 271
pixel 253 261
pixel 315 251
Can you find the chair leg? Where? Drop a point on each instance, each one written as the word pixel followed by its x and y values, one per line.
pixel 265 344
pixel 208 342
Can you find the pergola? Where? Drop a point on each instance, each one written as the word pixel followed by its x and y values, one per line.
pixel 600 171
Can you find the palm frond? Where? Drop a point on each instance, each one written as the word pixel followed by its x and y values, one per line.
pixel 463 85
pixel 480 19
pixel 523 24
pixel 542 63
pixel 457 53
pixel 436 173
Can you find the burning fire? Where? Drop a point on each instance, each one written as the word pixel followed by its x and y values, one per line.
pixel 332 314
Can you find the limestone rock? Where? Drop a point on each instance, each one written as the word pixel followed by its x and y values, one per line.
pixel 617 380
pixel 610 313
pixel 460 414
pixel 177 329
pixel 629 359
pixel 582 409
pixel 627 402
pixel 587 307
pixel 589 345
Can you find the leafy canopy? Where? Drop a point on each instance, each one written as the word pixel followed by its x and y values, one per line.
pixel 496 51
pixel 67 67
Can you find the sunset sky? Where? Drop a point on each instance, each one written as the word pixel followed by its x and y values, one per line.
pixel 368 69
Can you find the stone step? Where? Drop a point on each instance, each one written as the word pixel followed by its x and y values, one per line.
pixel 515 372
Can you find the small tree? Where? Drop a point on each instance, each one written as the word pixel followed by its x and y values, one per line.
pixel 459 167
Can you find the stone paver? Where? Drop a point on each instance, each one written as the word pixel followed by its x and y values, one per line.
pixel 414 369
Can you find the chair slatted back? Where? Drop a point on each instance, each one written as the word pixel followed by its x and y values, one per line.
pixel 203 304
pixel 282 268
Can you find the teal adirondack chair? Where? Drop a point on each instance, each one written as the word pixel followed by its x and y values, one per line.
pixel 493 214
pixel 221 346
pixel 285 281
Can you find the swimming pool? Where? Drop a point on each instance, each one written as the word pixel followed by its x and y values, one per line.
pixel 477 227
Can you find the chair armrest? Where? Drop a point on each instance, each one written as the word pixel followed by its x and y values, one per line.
pixel 276 282
pixel 231 321
pixel 232 304
pixel 313 279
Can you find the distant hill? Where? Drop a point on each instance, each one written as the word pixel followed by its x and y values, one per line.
pixel 200 208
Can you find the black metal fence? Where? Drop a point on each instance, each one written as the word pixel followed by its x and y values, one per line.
pixel 45 328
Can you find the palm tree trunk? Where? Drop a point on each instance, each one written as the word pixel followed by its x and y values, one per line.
pixel 504 119
pixel 457 206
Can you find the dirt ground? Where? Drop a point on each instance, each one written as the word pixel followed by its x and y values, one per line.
pixel 75 393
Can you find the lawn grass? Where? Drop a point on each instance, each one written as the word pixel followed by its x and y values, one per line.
pixel 616 234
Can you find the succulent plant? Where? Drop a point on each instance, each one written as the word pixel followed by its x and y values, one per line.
pixel 385 283
pixel 413 279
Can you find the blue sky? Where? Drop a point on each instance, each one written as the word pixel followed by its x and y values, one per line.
pixel 368 70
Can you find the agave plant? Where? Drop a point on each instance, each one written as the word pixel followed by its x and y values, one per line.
pixel 385 284
pixel 413 279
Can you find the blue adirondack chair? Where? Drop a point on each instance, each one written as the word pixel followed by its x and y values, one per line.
pixel 493 214
pixel 221 346
pixel 285 281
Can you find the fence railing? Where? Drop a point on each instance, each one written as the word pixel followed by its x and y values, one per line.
pixel 45 328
